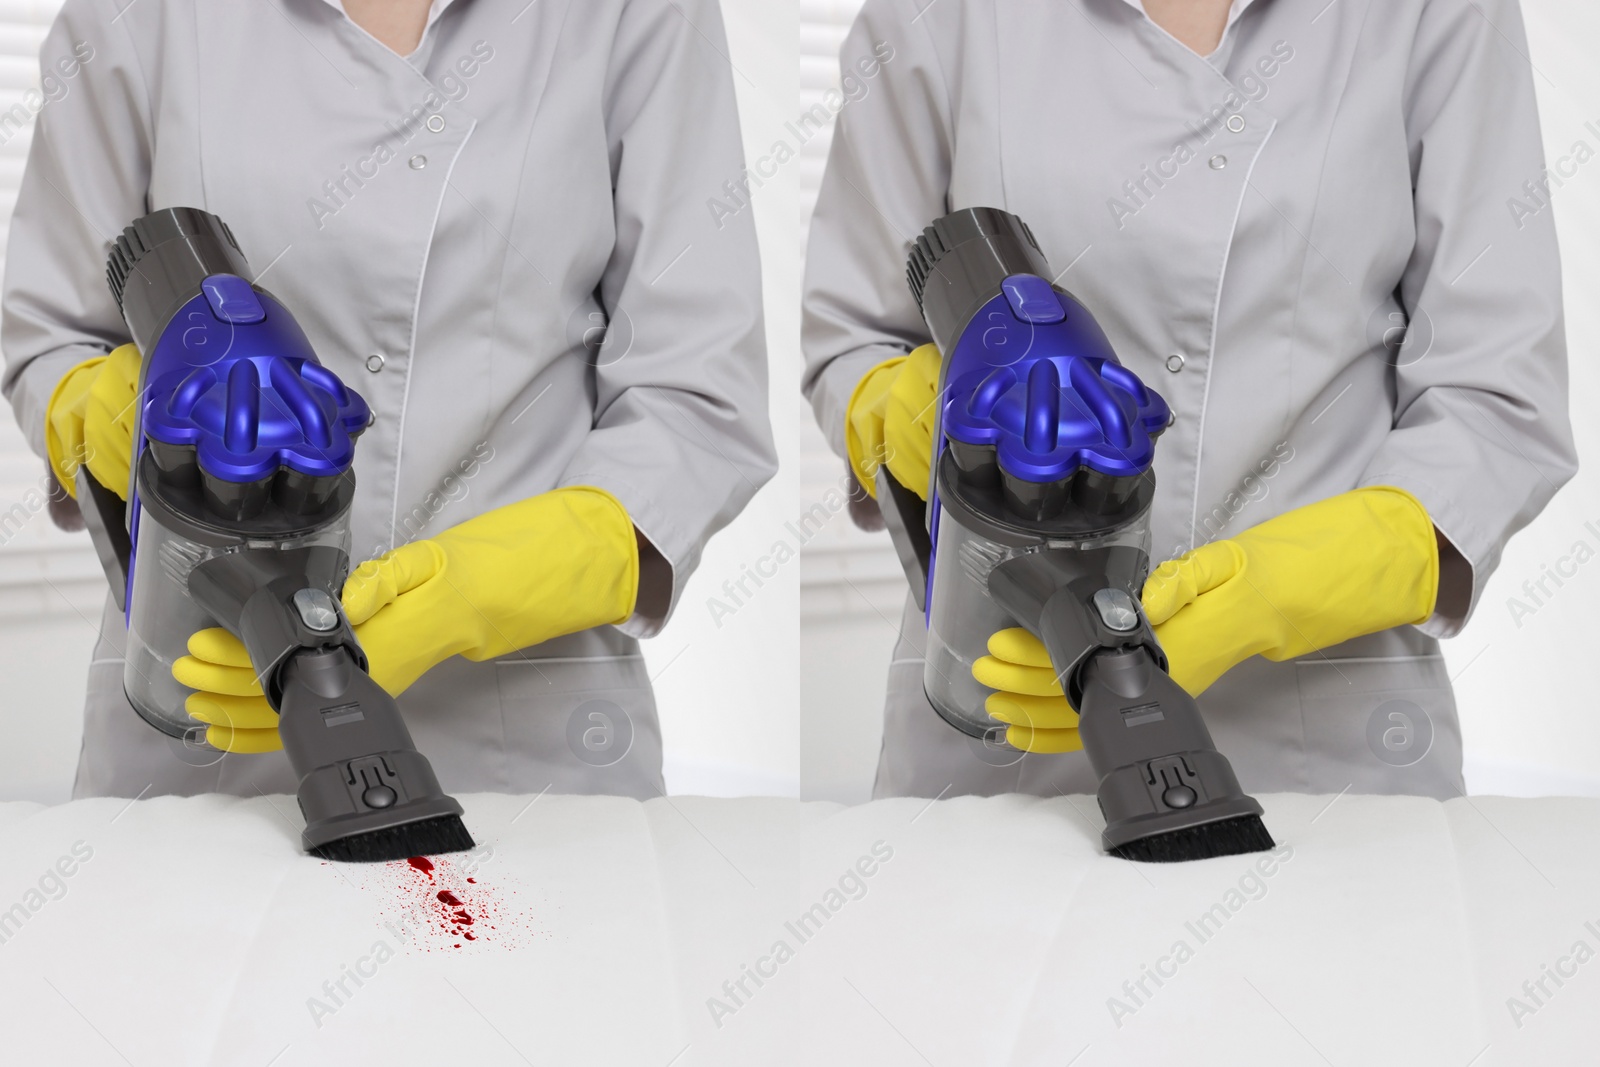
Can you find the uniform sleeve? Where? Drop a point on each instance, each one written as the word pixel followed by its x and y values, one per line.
pixel 1482 434
pixel 87 176
pixel 888 176
pixel 682 435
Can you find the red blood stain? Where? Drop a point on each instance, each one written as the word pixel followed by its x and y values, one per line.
pixel 460 917
pixel 430 905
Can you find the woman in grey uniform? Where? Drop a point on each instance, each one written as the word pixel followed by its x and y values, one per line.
pixel 1305 224
pixel 486 215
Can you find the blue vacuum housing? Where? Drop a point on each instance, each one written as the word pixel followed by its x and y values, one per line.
pixel 1035 398
pixel 235 401
pixel 259 421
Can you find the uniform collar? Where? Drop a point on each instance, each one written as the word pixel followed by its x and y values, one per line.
pixel 437 8
pixel 1234 11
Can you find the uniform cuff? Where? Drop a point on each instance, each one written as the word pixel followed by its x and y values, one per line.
pixel 1461 556
pixel 662 568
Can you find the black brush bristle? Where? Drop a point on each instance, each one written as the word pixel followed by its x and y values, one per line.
pixel 425 837
pixel 1225 837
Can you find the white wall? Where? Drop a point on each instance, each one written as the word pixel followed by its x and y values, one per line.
pixel 729 695
pixel 1527 693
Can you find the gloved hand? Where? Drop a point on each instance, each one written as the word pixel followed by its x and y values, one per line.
pixel 228 698
pixel 1357 563
pixel 1029 700
pixel 89 420
pixel 890 418
pixel 1353 564
pixel 564 561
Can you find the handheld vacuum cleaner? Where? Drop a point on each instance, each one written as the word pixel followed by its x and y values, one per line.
pixel 238 516
pixel 1038 516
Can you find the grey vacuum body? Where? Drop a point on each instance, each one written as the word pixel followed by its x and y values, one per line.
pixel 238 516
pixel 1037 516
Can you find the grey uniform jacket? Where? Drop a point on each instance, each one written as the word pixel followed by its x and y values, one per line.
pixel 455 230
pixel 1329 245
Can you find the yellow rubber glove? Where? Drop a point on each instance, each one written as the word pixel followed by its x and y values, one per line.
pixel 890 418
pixel 229 699
pixel 89 420
pixel 1354 564
pixel 1030 700
pixel 564 561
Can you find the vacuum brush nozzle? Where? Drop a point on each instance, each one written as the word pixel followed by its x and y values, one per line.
pixel 427 837
pixel 1167 794
pixel 1234 836
pixel 367 794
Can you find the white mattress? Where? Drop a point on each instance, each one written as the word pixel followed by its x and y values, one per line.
pixel 989 931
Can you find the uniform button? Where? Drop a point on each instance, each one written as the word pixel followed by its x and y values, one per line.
pixel 1215 162
pixel 1235 123
pixel 375 362
pixel 418 162
pixel 1175 362
pixel 436 123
